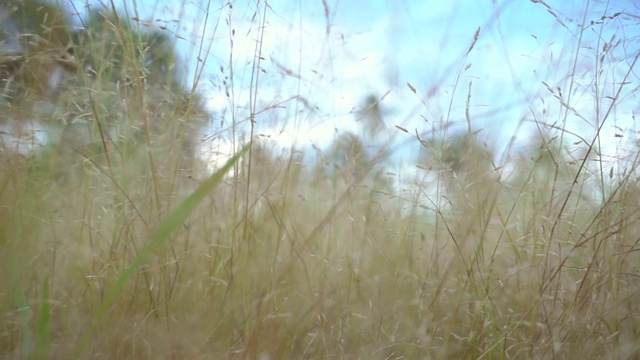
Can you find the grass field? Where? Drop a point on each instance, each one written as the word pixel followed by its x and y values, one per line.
pixel 115 243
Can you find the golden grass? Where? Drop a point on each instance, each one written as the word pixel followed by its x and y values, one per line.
pixel 111 252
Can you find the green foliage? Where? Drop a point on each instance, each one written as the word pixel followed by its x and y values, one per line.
pixel 42 346
pixel 123 94
pixel 35 38
pixel 119 52
pixel 372 116
pixel 460 153
pixel 44 21
pixel 349 155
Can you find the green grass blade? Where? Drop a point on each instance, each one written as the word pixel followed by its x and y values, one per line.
pixel 24 311
pixel 43 335
pixel 160 236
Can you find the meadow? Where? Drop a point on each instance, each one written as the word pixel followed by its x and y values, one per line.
pixel 118 240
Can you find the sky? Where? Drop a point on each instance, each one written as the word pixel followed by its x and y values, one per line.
pixel 320 59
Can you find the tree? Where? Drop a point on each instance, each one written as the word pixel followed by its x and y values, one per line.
pixel 123 59
pixel 35 38
pixel 461 156
pixel 110 87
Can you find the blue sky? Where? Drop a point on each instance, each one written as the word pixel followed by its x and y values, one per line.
pixel 377 47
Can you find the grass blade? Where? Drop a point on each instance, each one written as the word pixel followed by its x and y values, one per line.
pixel 160 236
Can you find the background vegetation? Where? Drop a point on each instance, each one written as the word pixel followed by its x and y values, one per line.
pixel 117 242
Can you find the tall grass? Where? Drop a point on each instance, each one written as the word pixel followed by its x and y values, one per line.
pixel 112 245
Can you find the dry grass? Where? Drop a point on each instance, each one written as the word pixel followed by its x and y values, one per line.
pixel 110 249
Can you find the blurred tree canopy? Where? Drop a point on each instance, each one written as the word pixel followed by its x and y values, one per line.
pixel 111 83
pixel 360 155
pixel 462 154
pixel 34 41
